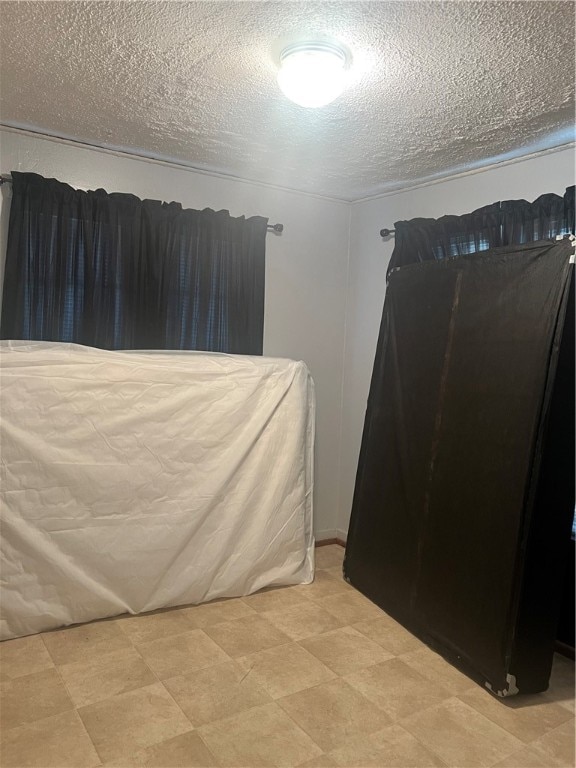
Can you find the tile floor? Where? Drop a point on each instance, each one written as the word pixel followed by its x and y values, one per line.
pixel 311 675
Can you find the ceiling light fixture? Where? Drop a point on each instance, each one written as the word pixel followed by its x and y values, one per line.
pixel 313 74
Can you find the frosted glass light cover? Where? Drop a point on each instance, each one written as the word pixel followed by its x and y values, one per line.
pixel 312 78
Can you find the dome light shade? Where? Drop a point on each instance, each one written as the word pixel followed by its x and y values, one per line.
pixel 313 74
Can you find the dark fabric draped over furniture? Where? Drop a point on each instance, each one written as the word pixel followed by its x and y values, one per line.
pixel 512 222
pixel 472 395
pixel 465 488
pixel 117 272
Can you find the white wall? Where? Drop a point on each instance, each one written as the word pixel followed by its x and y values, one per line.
pixel 369 257
pixel 306 267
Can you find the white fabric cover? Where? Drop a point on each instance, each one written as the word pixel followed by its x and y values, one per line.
pixel 133 481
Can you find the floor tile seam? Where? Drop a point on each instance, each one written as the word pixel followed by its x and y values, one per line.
pixel 545 755
pixel 556 728
pixel 430 747
pixel 566 703
pixel 162 637
pixel 348 626
pixel 313 637
pixel 52 659
pixel 337 672
pixel 517 748
pixel 91 740
pixel 319 635
pixel 192 726
pixel 148 667
pixel 276 647
pixel 273 703
pixel 367 604
pixel 395 724
pixel 494 719
pixel 317 601
pixel 338 591
pixel 175 635
pixel 297 639
pixel 27 723
pixel 41 636
pixel 120 756
pixel 235 714
pixel 302 726
pixel 331 679
pixel 105 698
pixel 399 720
pixel 71 708
pixel 214 758
pixel 234 658
pixel 232 621
pixel 211 666
pixel 76 713
pixel 423 679
pixel 328 682
pixel 327 570
pixel 224 621
pixel 301 601
pixel 340 588
pixel 68 693
pixel 265 650
pixel 399 656
pixel 344 675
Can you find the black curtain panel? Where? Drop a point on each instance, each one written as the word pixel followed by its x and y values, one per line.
pixel 512 222
pixel 117 272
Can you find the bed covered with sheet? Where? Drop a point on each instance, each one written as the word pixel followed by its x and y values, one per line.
pixel 133 481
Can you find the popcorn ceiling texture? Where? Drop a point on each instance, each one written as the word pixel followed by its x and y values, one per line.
pixel 439 87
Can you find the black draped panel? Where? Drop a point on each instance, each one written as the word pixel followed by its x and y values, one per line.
pixel 464 493
pixel 117 272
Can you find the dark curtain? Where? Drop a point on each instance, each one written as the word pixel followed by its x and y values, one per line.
pixel 513 222
pixel 117 272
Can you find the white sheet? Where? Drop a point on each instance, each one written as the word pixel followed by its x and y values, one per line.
pixel 134 481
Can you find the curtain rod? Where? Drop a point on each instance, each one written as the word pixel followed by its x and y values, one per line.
pixel 5 178
pixel 387 232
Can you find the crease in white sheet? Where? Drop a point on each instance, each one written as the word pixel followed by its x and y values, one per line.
pixel 133 481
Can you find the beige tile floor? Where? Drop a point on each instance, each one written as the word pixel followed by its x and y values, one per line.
pixel 311 675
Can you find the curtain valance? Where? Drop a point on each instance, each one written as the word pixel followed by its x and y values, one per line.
pixel 511 222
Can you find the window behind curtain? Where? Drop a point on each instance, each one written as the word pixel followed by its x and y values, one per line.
pixel 113 271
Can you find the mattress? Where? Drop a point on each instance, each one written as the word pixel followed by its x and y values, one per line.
pixel 133 481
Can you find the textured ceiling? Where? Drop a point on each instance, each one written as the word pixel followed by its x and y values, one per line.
pixel 438 87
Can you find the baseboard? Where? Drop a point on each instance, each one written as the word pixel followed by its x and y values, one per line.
pixel 330 536
pixel 325 542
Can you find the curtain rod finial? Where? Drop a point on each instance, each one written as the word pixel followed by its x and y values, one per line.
pixel 386 232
